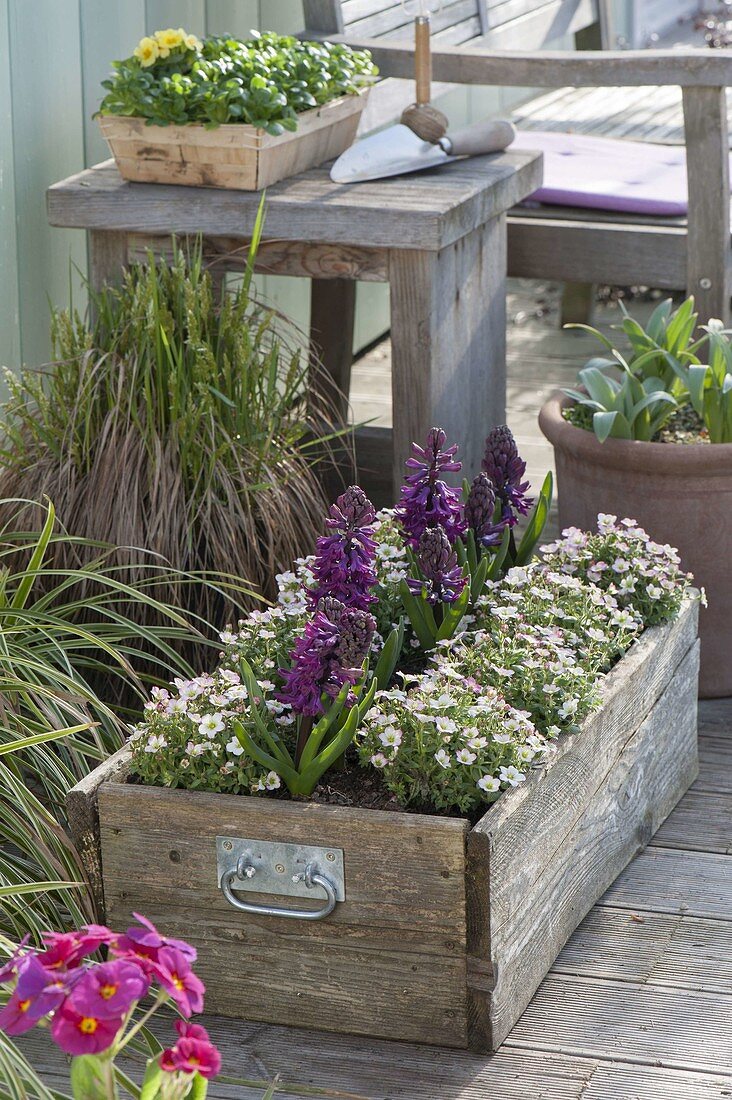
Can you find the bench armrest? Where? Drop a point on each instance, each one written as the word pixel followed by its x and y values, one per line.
pixel 555 69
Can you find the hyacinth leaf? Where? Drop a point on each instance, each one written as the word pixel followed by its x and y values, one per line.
pixel 389 656
pixel 537 522
pixel 461 551
pixel 255 692
pixel 453 615
pixel 496 562
pixel 321 727
pixel 308 778
pixel 414 609
pixel 289 774
pixel 657 320
pixel 428 614
pixel 478 578
pixel 471 549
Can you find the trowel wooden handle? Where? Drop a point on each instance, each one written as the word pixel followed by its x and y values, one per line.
pixel 481 137
pixel 422 59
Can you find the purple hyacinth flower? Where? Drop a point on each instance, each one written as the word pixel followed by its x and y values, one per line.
pixel 505 468
pixel 344 562
pixel 425 500
pixel 442 576
pixel 328 655
pixel 479 508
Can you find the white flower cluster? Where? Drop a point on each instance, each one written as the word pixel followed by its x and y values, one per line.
pixel 188 737
pixel 447 744
pixel 643 576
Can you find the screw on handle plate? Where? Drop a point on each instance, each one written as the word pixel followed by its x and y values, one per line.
pixel 311 877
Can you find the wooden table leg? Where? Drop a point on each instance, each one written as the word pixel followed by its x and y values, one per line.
pixel 332 312
pixel 107 257
pixel 448 333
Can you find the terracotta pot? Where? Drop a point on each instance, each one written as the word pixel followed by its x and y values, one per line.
pixel 681 495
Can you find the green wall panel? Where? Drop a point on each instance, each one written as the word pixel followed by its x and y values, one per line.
pixel 44 41
pixel 162 14
pixel 9 303
pixel 109 31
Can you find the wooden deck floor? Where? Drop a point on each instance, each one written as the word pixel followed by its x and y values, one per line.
pixel 639 1004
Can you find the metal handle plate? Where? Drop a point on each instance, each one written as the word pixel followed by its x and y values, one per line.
pixel 287 870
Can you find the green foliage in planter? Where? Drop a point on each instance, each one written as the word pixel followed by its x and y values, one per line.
pixel 176 424
pixel 172 78
pixel 664 370
pixel 63 630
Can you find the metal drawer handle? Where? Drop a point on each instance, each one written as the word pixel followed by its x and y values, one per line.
pixel 311 877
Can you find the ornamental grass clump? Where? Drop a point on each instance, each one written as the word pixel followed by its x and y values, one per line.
pixel 424 642
pixel 174 423
pixel 173 78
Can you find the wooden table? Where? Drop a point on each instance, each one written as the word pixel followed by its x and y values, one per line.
pixel 438 238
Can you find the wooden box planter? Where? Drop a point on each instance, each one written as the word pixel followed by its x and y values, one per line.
pixel 234 156
pixel 446 930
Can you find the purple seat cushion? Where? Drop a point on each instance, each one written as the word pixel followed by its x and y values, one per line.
pixel 632 177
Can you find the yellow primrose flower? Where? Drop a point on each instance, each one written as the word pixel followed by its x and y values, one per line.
pixel 191 42
pixel 147 51
pixel 168 40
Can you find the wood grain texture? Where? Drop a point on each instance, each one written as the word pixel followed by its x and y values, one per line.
pixel 661 949
pixel 83 818
pixel 709 257
pixel 403 921
pixel 428 211
pixel 332 317
pixel 669 880
pixel 231 156
pixel 676 1029
pixel 703 823
pixel 592 813
pixel 476 64
pixel 300 259
pixel 449 342
pixel 562 246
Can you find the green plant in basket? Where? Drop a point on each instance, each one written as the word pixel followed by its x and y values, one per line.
pixel 266 81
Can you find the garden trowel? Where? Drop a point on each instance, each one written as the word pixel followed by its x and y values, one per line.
pixel 398 150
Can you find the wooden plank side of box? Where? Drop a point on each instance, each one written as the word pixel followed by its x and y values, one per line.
pixel 390 960
pixel 553 846
pixel 235 156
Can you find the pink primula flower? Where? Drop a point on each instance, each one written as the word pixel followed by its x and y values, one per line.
pixel 109 991
pixel 193 1053
pixel 65 950
pixel 77 1033
pixel 36 994
pixel 146 942
pixel 172 970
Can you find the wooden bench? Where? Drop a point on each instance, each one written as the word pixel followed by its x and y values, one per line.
pixel 474 43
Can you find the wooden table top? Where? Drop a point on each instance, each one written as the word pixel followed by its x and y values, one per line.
pixel 426 210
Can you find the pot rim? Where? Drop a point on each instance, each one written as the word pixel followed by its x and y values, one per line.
pixel 682 459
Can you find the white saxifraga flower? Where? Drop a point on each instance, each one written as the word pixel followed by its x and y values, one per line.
pixel 443 758
pixel 445 725
pixel 489 784
pixel 465 756
pixel 511 775
pixel 272 781
pixel 211 724
pixel 378 760
pixel 235 747
pixel 155 742
pixel 390 737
